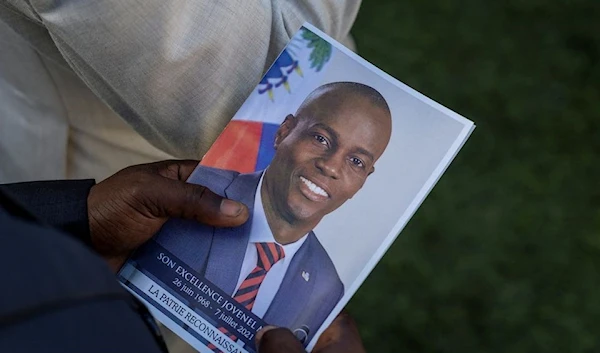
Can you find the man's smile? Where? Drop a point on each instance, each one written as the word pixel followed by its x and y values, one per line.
pixel 313 191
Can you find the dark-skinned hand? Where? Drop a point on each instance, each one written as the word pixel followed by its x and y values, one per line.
pixel 129 207
pixel 340 337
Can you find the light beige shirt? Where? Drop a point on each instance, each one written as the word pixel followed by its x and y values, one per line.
pixel 176 71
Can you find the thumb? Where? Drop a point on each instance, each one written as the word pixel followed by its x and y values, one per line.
pixel 197 202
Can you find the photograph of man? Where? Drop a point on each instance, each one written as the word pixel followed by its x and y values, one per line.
pixel 273 264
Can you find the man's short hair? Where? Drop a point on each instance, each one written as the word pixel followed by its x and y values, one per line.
pixel 351 88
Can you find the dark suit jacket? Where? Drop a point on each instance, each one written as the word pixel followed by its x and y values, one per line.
pixel 218 253
pixel 56 294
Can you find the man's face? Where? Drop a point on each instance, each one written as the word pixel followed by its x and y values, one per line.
pixel 324 156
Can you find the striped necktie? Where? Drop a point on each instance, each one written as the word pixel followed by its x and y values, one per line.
pixel 268 254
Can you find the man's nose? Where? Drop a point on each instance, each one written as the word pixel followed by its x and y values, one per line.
pixel 330 165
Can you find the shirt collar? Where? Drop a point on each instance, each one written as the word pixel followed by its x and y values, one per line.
pixel 260 232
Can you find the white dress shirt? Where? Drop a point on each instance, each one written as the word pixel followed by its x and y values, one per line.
pixel 261 233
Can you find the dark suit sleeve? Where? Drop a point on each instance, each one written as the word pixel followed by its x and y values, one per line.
pixel 58 296
pixel 60 204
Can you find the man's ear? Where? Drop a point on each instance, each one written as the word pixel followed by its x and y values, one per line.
pixel 285 128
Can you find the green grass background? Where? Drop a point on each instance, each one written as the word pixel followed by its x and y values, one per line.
pixel 504 254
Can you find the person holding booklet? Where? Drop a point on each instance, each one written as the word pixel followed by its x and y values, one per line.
pixel 274 265
pixel 250 234
pixel 60 294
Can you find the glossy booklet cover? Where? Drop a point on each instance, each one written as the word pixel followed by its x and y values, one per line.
pixel 332 157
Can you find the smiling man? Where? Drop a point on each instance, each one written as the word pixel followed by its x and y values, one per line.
pixel 274 264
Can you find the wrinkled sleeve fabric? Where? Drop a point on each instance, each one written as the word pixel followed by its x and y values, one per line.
pixel 178 70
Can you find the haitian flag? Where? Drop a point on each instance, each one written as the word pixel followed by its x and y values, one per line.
pixel 246 143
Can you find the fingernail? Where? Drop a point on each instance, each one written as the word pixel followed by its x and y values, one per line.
pixel 230 208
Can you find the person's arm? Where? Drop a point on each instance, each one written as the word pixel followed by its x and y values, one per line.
pixel 65 290
pixel 120 213
pixel 58 284
pixel 58 296
pixel 178 70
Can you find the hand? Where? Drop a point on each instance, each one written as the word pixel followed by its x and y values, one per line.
pixel 129 207
pixel 340 337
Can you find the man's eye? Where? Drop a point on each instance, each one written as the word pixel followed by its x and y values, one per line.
pixel 320 139
pixel 357 162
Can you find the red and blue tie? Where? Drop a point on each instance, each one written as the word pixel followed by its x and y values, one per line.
pixel 268 255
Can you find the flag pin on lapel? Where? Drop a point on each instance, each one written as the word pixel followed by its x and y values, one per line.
pixel 305 275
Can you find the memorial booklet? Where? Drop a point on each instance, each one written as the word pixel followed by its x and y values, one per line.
pixel 332 157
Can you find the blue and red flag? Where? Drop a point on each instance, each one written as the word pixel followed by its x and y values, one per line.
pixel 246 144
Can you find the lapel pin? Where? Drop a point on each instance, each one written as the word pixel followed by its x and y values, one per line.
pixel 305 275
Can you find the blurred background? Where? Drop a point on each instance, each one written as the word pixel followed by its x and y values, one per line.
pixel 504 254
